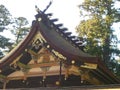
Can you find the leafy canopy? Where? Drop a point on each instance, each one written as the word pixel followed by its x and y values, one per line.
pixel 17 26
pixel 19 29
pixel 5 20
pixel 96 28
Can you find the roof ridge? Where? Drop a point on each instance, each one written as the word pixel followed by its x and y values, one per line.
pixel 50 23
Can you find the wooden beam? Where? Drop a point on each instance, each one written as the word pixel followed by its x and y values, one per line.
pixel 54 20
pixel 34 74
pixel 44 64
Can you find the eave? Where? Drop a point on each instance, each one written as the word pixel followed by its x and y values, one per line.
pixel 5 61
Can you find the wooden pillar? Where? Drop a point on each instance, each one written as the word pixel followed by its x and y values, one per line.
pixel 4 85
pixel 44 79
pixel 60 73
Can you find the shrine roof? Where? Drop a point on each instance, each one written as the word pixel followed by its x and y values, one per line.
pixel 57 38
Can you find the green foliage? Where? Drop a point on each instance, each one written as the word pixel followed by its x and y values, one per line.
pixel 20 29
pixel 5 18
pixel 17 26
pixel 98 16
pixel 4 42
pixel 1 54
pixel 5 45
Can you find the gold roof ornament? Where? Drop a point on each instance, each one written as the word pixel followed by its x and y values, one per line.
pixel 89 66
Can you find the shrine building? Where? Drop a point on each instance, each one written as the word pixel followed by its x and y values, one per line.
pixel 50 56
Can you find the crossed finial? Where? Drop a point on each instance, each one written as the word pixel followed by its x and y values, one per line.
pixel 38 10
pixel 48 5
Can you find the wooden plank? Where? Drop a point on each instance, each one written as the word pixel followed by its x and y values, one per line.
pixel 54 20
pixel 44 64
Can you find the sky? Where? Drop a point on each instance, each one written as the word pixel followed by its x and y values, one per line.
pixel 66 11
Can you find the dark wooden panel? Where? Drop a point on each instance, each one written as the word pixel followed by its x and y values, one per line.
pixel 25 58
pixel 7 70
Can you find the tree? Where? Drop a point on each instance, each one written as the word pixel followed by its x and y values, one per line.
pixel 5 45
pixel 17 26
pixel 97 30
pixel 5 20
pixel 20 29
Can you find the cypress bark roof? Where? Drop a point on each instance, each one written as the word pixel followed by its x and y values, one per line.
pixel 58 40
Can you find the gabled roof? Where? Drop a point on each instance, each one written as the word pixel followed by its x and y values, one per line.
pixel 5 61
pixel 58 41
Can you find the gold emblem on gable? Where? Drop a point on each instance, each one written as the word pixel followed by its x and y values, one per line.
pixel 59 55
